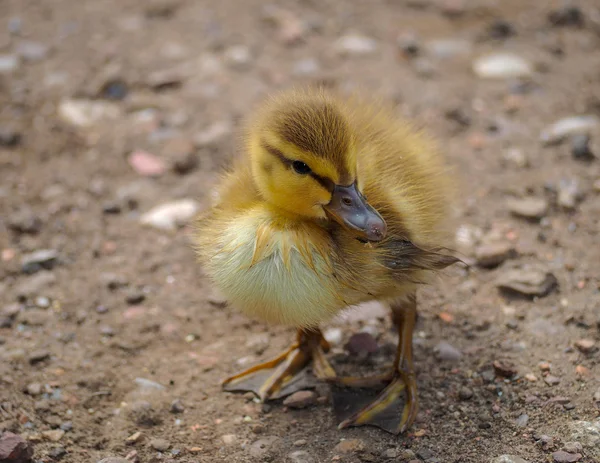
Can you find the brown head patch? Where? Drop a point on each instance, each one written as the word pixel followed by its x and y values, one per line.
pixel 318 127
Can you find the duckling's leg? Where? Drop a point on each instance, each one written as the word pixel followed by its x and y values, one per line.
pixel 268 379
pixel 401 380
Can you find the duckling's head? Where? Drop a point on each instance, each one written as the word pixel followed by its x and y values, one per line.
pixel 303 155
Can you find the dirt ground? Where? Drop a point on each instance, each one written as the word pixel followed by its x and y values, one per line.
pixel 114 331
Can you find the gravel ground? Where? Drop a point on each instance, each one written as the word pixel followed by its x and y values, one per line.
pixel 115 117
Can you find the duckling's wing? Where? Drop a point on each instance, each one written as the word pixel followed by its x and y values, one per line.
pixel 402 256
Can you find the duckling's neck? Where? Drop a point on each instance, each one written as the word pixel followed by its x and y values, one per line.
pixel 283 218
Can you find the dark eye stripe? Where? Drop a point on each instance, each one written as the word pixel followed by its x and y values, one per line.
pixel 325 182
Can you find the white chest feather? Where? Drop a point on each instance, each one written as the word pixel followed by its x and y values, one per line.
pixel 275 275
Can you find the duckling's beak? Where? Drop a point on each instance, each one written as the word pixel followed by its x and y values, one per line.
pixel 350 209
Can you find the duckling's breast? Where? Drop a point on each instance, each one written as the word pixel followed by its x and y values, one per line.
pixel 278 275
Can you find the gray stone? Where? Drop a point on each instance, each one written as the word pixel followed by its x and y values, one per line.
pixel 355 45
pixel 527 281
pixel 143 414
pixel 528 208
pixel 565 457
pixel 33 285
pixel 447 352
pixel 301 399
pixel 300 456
pixel 587 433
pixel 573 447
pixel 39 260
pixel 567 127
pixel 508 459
pixel 522 420
pixel 114 460
pixel 177 406
pixel 160 445
pixel 31 51
pixel 265 448
pixel 8 64
pixel 14 449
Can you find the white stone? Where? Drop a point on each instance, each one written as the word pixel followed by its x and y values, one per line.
pixel 86 113
pixel 171 215
pixel 502 66
pixel 568 126
pixel 355 44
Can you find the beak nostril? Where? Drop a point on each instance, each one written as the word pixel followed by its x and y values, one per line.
pixel 347 201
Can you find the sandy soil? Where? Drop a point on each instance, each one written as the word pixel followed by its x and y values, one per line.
pixel 83 85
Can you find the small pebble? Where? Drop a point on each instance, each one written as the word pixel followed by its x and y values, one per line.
pixel 465 393
pixel 38 356
pixel 147 164
pixel 501 29
pixel 9 138
pixel 580 147
pixel 586 345
pixel 300 443
pixel 170 216
pixel 34 389
pixel 238 57
pixel 134 438
pixel 355 45
pixel 504 368
pixel 573 447
pixel 160 445
pixel 529 208
pixel 39 260
pixel 143 414
pixel 56 453
pixel 565 457
pixel 300 456
pixel 301 399
pixel 447 352
pixel 177 406
pixel 390 454
pixel 551 380
pixel 13 448
pixel 361 343
pixel 148 384
pixel 349 446
pixel 530 282
pixel 53 435
pixel 490 255
pixel 31 51
pixel 568 15
pixel 87 113
pixel 502 66
pixel 569 126
pixel 569 194
pixel 8 64
pixel 522 420
pixel 135 297
pixel 265 448
pixel 229 439
pixel 213 134
pixel 508 459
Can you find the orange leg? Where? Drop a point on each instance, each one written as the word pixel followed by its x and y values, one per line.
pixel 269 378
pixel 400 381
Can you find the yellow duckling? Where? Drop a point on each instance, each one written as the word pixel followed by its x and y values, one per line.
pixel 333 203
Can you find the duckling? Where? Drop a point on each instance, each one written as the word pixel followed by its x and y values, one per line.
pixel 333 202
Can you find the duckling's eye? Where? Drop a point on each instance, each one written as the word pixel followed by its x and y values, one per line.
pixel 300 167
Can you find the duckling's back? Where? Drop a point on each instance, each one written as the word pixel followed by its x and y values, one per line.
pixel 403 174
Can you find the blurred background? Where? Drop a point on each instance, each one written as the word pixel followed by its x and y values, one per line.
pixel 115 118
